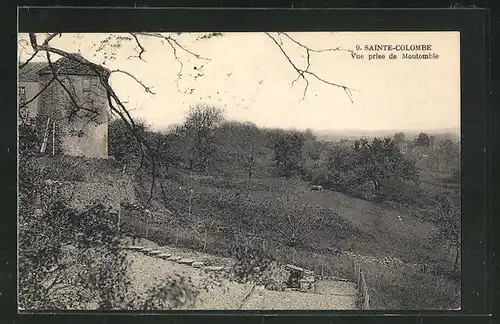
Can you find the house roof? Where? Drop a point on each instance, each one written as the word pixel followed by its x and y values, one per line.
pixel 68 66
pixel 29 73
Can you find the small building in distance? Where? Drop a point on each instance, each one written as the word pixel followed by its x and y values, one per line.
pixel 81 119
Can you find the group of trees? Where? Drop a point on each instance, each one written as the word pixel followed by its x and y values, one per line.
pixel 431 152
pixel 370 169
pixel 207 142
pixel 378 169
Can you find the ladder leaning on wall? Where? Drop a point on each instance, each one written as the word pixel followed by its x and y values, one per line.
pixel 46 137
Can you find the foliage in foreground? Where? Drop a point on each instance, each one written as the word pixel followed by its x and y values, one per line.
pixel 72 259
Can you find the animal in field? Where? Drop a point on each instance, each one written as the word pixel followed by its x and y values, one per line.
pixel 317 188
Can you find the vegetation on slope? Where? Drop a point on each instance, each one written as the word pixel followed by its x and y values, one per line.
pixel 251 187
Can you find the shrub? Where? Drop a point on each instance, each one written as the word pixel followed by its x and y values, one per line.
pixel 70 260
pixel 375 170
pixel 250 264
pixel 178 291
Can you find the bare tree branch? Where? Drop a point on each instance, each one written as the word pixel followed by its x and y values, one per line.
pixel 303 73
pixel 315 50
pixel 146 88
pixel 117 107
pixel 171 40
pixel 27 61
pixel 141 48
pixel 50 37
pixel 181 66
pixel 24 104
pixel 174 45
pixel 74 101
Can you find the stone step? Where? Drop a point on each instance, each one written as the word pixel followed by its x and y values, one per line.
pixel 186 261
pixel 197 264
pixel 155 252
pixel 174 258
pixel 146 250
pixel 164 256
pixel 136 248
pixel 214 268
pixel 291 267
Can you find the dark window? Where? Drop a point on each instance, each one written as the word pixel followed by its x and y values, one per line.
pixel 86 84
pixel 22 94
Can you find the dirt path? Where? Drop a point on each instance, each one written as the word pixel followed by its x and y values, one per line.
pixel 149 271
pixel 294 300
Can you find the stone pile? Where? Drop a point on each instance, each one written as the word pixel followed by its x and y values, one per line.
pixel 305 277
pixel 174 258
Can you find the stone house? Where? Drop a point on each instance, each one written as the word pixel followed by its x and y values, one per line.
pixel 81 119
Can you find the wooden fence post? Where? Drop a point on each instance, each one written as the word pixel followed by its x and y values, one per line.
pixel 119 216
pixel 54 138
pixel 205 240
pixel 356 275
pixel 147 225
pixel 364 290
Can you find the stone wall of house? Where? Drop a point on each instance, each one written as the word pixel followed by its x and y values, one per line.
pixel 31 109
pixel 79 135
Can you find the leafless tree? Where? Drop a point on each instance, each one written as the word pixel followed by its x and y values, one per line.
pixel 199 132
pixel 293 223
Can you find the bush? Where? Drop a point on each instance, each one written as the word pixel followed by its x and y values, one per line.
pixel 375 170
pixel 71 260
pixel 177 291
pixel 250 264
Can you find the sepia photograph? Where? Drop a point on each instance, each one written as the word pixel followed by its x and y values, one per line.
pixel 239 171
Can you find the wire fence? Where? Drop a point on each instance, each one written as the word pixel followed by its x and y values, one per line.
pixel 210 235
pixel 361 284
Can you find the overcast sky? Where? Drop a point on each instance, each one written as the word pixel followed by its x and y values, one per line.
pixel 248 76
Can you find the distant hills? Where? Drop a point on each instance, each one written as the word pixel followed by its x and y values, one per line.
pixel 353 134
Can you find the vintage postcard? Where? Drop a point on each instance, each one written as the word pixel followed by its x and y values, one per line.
pixel 239 171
